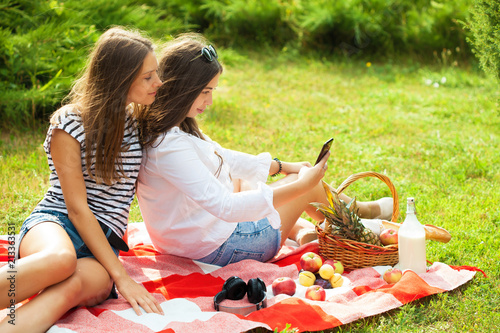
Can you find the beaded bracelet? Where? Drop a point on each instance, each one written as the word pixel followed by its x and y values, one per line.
pixel 280 167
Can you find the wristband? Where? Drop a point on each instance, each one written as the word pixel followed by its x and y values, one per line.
pixel 280 167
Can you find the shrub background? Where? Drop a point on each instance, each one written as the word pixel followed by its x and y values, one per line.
pixel 44 43
pixel 485 38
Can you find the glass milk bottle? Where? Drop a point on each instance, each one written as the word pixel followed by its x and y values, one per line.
pixel 411 241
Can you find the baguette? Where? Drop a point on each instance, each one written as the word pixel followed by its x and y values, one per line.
pixel 431 231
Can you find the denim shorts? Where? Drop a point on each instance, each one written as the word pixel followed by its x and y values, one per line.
pixel 37 217
pixel 250 240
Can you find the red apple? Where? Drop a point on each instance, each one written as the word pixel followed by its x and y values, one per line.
pixel 284 285
pixel 337 265
pixel 315 293
pixel 389 236
pixel 329 262
pixel 392 275
pixel 311 262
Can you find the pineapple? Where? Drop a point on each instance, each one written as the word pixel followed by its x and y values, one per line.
pixel 341 219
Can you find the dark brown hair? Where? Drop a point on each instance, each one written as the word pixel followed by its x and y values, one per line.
pixel 101 97
pixel 184 73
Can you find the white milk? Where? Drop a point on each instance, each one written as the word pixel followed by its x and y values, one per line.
pixel 412 253
pixel 411 242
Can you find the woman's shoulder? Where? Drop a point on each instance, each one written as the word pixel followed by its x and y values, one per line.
pixel 69 112
pixel 68 118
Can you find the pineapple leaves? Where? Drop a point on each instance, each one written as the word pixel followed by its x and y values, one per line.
pixel 342 219
pixel 322 207
pixel 329 192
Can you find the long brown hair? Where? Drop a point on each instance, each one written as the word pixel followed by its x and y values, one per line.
pixel 101 97
pixel 184 73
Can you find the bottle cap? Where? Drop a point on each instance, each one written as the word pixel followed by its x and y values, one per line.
pixel 410 206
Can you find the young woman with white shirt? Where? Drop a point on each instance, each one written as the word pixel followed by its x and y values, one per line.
pixel 68 246
pixel 205 202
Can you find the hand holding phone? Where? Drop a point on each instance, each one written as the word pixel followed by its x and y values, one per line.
pixel 324 150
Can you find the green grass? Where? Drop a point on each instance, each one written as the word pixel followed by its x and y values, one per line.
pixel 439 145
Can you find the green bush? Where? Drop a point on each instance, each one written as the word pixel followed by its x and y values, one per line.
pixel 485 39
pixel 44 44
pixel 382 27
pixel 248 22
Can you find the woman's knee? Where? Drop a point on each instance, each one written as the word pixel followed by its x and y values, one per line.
pixel 61 261
pixel 78 290
pixel 93 282
pixel 98 297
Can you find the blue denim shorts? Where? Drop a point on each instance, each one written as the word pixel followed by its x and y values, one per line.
pixel 250 240
pixel 37 217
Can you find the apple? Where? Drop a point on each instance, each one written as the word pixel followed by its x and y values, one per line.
pixel 329 262
pixel 336 264
pixel 336 280
pixel 389 236
pixel 307 278
pixel 326 271
pixel 311 262
pixel 392 275
pixel 284 285
pixel 315 293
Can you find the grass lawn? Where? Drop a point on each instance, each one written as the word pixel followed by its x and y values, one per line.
pixel 440 145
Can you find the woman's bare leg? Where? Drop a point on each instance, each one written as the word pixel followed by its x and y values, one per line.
pixel 47 257
pixel 303 232
pixel 291 211
pixel 89 285
pixel 294 228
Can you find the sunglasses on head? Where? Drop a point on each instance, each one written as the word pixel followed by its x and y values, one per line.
pixel 209 53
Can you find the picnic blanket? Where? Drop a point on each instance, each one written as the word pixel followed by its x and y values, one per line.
pixel 186 288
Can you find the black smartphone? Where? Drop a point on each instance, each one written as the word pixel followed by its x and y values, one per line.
pixel 324 150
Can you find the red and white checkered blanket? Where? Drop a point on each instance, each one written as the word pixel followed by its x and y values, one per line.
pixel 186 289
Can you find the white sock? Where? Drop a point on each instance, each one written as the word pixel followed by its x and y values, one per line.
pixel 386 206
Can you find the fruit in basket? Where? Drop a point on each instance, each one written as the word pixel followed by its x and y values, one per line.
pixel 316 293
pixel 336 264
pixel 307 278
pixel 342 220
pixel 326 271
pixel 311 261
pixel 284 285
pixel 336 280
pixel 389 236
pixel 392 275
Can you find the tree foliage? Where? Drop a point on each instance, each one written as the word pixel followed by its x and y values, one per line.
pixel 44 43
pixel 485 39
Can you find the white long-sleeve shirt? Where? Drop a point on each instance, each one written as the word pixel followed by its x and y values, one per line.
pixel 188 207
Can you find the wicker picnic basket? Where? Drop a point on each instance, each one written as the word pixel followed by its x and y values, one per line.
pixel 355 254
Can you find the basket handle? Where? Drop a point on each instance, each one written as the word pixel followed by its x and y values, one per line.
pixel 352 178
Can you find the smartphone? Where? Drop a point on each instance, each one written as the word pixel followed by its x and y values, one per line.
pixel 324 150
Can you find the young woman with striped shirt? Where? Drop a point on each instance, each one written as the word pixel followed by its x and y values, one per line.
pixel 69 244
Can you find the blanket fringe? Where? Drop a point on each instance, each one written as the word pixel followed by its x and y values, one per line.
pixel 469 268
